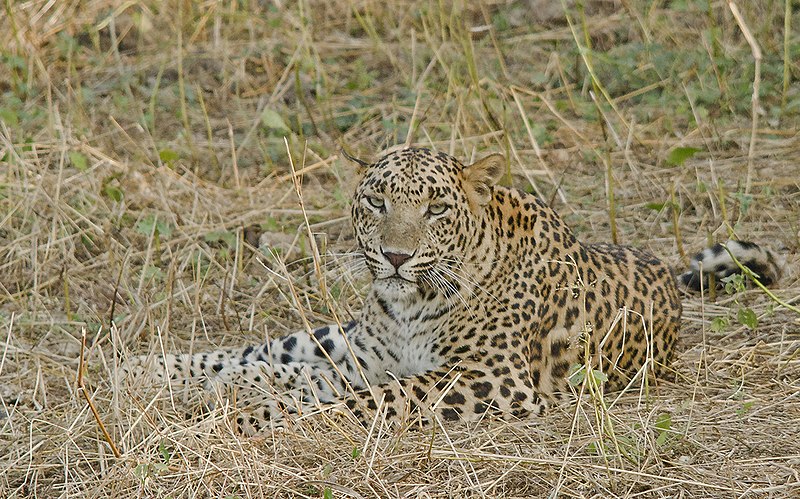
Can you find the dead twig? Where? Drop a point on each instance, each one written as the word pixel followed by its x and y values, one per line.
pixel 82 388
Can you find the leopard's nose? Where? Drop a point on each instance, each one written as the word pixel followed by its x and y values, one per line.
pixel 396 259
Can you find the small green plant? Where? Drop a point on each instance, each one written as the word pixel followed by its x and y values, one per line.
pixel 166 454
pixel 746 406
pixel 152 225
pixel 733 285
pixel 274 123
pixel 111 190
pixel 679 155
pixel 224 239
pixel 663 426
pixel 628 444
pixel 579 372
pixel 78 160
pixel 168 156
pixel 590 380
pixel 145 471
pixel 719 324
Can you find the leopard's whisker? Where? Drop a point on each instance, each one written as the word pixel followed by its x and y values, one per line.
pixel 453 290
pixel 457 273
pixel 331 265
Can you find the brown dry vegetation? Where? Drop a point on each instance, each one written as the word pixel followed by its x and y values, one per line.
pixel 146 198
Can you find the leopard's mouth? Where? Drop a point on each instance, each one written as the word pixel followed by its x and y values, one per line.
pixel 397 278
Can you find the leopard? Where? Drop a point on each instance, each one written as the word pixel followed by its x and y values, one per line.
pixel 482 302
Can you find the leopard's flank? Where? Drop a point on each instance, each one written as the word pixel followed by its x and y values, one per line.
pixel 481 302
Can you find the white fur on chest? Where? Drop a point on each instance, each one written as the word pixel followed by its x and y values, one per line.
pixel 416 331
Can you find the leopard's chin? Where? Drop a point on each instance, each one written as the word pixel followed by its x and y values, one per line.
pixel 395 288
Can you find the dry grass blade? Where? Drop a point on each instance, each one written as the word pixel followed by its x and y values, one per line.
pixel 756 51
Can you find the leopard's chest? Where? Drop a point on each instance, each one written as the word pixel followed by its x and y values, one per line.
pixel 411 334
pixel 418 357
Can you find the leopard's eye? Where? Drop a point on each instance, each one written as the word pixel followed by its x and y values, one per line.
pixel 436 209
pixel 376 202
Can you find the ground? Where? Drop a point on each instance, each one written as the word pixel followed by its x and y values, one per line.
pixel 147 199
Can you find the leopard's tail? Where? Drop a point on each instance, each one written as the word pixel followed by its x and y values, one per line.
pixel 768 265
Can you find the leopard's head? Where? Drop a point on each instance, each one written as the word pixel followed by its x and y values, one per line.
pixel 417 216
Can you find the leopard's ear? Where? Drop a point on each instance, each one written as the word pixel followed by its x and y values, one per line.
pixel 362 165
pixel 481 176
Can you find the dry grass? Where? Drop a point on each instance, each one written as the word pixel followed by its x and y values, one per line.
pixel 143 159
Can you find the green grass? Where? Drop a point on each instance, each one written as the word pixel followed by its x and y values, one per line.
pixel 146 197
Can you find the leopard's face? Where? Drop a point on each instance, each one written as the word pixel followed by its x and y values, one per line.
pixel 415 222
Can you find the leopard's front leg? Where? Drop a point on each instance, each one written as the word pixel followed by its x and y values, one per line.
pixel 264 395
pixel 464 392
pixel 263 383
